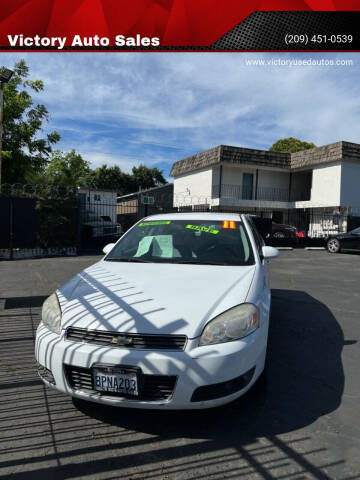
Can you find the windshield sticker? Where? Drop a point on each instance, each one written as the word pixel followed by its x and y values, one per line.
pixel 200 228
pixel 163 246
pixel 144 246
pixel 158 222
pixel 229 224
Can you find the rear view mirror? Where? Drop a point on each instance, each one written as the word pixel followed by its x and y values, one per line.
pixel 108 248
pixel 269 252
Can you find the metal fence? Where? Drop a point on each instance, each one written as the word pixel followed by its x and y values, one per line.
pixel 243 192
pixel 289 227
pixel 39 218
pixel 52 220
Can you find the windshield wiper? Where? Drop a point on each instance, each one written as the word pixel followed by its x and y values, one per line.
pixel 193 262
pixel 184 262
pixel 124 259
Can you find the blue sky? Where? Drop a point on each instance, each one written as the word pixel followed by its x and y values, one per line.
pixel 155 108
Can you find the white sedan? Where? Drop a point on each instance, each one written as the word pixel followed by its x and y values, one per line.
pixel 175 316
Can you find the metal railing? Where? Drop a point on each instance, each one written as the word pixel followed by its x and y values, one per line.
pixel 261 193
pixel 35 220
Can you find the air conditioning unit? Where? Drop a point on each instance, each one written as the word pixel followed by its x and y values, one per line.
pixel 147 200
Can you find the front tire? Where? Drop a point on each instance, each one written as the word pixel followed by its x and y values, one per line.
pixel 333 245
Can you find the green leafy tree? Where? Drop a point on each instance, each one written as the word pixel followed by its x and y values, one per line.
pixel 25 150
pixel 57 219
pixel 110 178
pixel 113 178
pixel 67 169
pixel 145 177
pixel 291 145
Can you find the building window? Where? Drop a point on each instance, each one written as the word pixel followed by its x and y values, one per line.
pixel 97 197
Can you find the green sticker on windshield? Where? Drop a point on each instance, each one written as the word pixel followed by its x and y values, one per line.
pixel 158 222
pixel 200 228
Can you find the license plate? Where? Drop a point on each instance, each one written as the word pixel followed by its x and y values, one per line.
pixel 115 381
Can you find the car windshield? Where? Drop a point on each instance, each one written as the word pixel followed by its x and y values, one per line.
pixel 356 230
pixel 90 216
pixel 204 242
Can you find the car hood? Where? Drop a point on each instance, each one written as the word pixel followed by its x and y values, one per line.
pixel 152 298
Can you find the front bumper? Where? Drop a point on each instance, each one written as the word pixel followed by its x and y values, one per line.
pixel 193 368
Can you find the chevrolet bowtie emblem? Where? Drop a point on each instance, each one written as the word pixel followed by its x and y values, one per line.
pixel 121 340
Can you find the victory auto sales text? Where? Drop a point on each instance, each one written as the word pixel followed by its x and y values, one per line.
pixel 80 41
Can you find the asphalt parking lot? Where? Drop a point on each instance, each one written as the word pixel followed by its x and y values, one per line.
pixel 303 424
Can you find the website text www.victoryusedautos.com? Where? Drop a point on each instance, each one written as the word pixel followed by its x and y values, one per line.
pixel 299 62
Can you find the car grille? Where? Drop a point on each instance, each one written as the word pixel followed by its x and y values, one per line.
pixel 152 387
pixel 127 340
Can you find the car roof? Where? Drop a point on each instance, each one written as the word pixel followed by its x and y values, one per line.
pixel 196 216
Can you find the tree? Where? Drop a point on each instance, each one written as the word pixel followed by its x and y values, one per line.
pixel 113 178
pixel 67 169
pixel 291 145
pixel 25 154
pixel 145 177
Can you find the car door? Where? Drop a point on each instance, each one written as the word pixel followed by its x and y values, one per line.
pixel 259 244
pixel 353 241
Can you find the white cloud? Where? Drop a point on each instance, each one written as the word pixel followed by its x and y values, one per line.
pixel 98 158
pixel 191 101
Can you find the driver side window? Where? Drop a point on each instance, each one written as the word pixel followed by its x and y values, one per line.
pixel 257 237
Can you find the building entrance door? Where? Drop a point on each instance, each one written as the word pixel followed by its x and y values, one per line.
pixel 247 186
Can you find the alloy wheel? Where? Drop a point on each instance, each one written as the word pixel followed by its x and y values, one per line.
pixel 333 245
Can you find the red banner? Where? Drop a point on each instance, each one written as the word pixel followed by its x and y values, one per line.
pixel 136 23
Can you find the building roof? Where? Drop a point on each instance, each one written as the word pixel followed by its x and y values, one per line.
pixel 197 161
pixel 248 156
pixel 327 154
pixel 147 190
pixel 95 190
pixel 228 154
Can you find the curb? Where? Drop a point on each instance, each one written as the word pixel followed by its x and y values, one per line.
pixel 301 248
pixel 27 253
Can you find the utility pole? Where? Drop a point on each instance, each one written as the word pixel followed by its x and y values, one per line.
pixel 5 76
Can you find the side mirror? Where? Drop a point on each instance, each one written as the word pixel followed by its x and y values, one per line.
pixel 269 252
pixel 108 248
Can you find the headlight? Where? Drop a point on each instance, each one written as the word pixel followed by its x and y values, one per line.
pixel 238 322
pixel 51 314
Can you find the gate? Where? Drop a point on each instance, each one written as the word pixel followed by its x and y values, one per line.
pixel 18 222
pixel 35 219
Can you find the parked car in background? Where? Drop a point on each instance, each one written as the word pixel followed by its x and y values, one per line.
pixel 344 241
pixel 280 230
pixel 98 215
pixel 95 226
pixel 175 316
